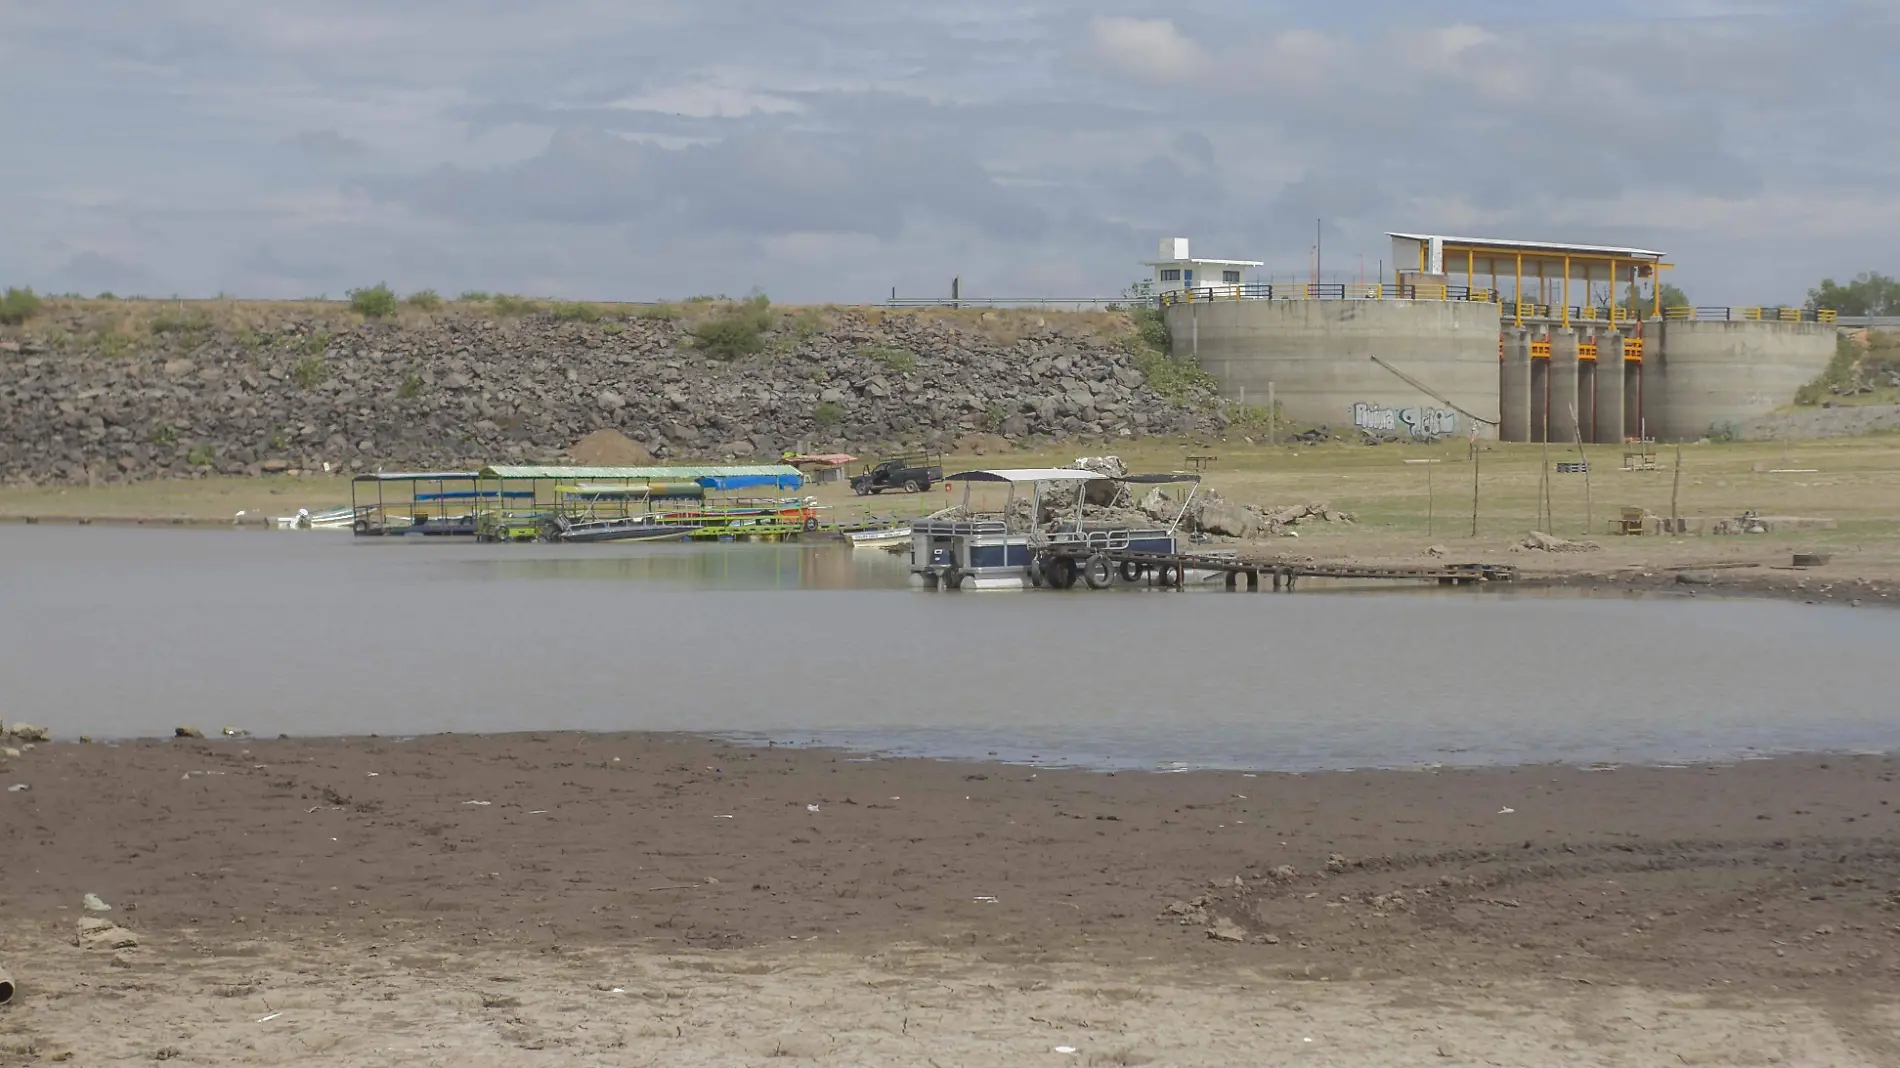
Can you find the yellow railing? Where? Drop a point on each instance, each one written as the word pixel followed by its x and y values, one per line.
pixel 1516 310
pixel 1632 350
pixel 1586 350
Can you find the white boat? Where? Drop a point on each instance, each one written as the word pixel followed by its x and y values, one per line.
pixel 334 519
pixel 881 538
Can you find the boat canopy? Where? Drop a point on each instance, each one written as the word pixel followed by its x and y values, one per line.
pixel 777 476
pixel 417 476
pixel 1026 474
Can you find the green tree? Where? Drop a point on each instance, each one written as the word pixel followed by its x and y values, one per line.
pixel 1870 293
pixel 1644 302
pixel 375 302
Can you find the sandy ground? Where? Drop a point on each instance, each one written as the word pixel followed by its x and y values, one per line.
pixel 653 899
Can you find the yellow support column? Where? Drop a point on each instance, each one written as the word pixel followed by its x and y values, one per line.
pixel 1471 271
pixel 1520 289
pixel 1566 292
pixel 1612 290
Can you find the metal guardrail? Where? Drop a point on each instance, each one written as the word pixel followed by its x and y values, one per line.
pixel 1524 310
pixel 1068 303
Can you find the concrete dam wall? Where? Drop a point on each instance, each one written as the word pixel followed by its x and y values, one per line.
pixel 1436 368
pixel 1706 374
pixel 1425 368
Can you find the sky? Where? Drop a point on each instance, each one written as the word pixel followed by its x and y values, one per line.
pixel 835 150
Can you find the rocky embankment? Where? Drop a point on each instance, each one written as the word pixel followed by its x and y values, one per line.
pixel 112 391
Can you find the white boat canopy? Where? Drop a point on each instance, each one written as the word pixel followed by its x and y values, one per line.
pixel 1026 474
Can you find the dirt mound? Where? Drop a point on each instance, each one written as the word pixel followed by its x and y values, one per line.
pixel 609 448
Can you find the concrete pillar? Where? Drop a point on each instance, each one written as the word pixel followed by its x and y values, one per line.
pixel 1514 387
pixel 1609 389
pixel 1563 386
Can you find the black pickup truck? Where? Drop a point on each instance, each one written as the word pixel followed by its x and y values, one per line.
pixel 912 474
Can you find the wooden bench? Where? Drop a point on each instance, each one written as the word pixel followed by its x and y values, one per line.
pixel 1200 460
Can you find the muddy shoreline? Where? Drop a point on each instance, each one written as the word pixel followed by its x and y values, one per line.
pixel 491 891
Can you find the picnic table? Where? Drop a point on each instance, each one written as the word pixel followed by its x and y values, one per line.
pixel 1200 460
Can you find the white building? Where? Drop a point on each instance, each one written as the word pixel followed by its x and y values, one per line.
pixel 1177 270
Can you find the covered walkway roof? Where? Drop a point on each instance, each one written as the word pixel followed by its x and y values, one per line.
pixel 1545 249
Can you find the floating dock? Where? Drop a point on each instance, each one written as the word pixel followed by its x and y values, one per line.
pixel 1099 569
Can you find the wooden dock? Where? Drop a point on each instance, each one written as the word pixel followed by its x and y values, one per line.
pixel 1099 568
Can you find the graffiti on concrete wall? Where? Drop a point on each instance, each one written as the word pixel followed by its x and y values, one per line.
pixel 1415 422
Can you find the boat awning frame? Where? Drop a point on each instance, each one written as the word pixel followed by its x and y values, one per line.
pixel 1026 474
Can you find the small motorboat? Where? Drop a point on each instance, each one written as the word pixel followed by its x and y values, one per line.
pixel 334 519
pixel 879 538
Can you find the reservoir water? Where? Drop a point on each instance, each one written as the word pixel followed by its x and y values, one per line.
pixel 127 632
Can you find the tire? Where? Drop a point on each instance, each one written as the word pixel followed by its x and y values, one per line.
pixel 361 526
pixel 910 486
pixel 1098 572
pixel 1130 571
pixel 862 491
pixel 1034 571
pixel 811 523
pixel 1168 575
pixel 953 579
pixel 1061 573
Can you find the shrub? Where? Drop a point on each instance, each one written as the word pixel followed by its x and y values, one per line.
pixel 1177 380
pixel 1723 433
pixel 513 306
pixel 310 371
pixel 18 305
pixel 658 312
pixel 993 417
pixel 473 295
pixel 737 331
pixel 107 295
pixel 201 456
pixel 425 299
pixel 411 387
pixel 315 343
pixel 903 361
pixel 164 434
pixel 113 343
pixel 576 311
pixel 827 414
pixel 1839 374
pixel 376 302
pixel 1151 328
pixel 181 322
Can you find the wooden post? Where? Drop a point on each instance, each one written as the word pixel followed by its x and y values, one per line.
pixel 1675 487
pixel 1587 517
pixel 1474 488
pixel 1543 485
pixel 1428 498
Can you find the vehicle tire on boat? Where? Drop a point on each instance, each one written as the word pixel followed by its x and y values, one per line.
pixel 1130 571
pixel 811 522
pixel 1034 572
pixel 1168 575
pixel 953 579
pixel 361 526
pixel 1061 572
pixel 910 486
pixel 1098 572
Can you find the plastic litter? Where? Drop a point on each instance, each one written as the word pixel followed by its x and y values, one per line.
pixel 18 788
pixel 1063 1049
pixel 1506 810
pixel 811 808
pixel 94 904
pixel 267 1019
pixel 475 802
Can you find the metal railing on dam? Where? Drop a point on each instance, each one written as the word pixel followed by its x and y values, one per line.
pixel 1603 313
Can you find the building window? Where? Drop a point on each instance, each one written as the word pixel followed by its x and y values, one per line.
pixel 1231 278
pixel 1170 274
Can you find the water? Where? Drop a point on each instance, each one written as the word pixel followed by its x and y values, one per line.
pixel 117 632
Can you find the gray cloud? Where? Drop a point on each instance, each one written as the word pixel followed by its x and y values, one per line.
pixel 598 148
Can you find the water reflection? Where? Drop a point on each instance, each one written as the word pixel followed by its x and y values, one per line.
pixel 716 567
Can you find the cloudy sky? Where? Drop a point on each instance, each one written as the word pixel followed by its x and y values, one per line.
pixel 834 149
